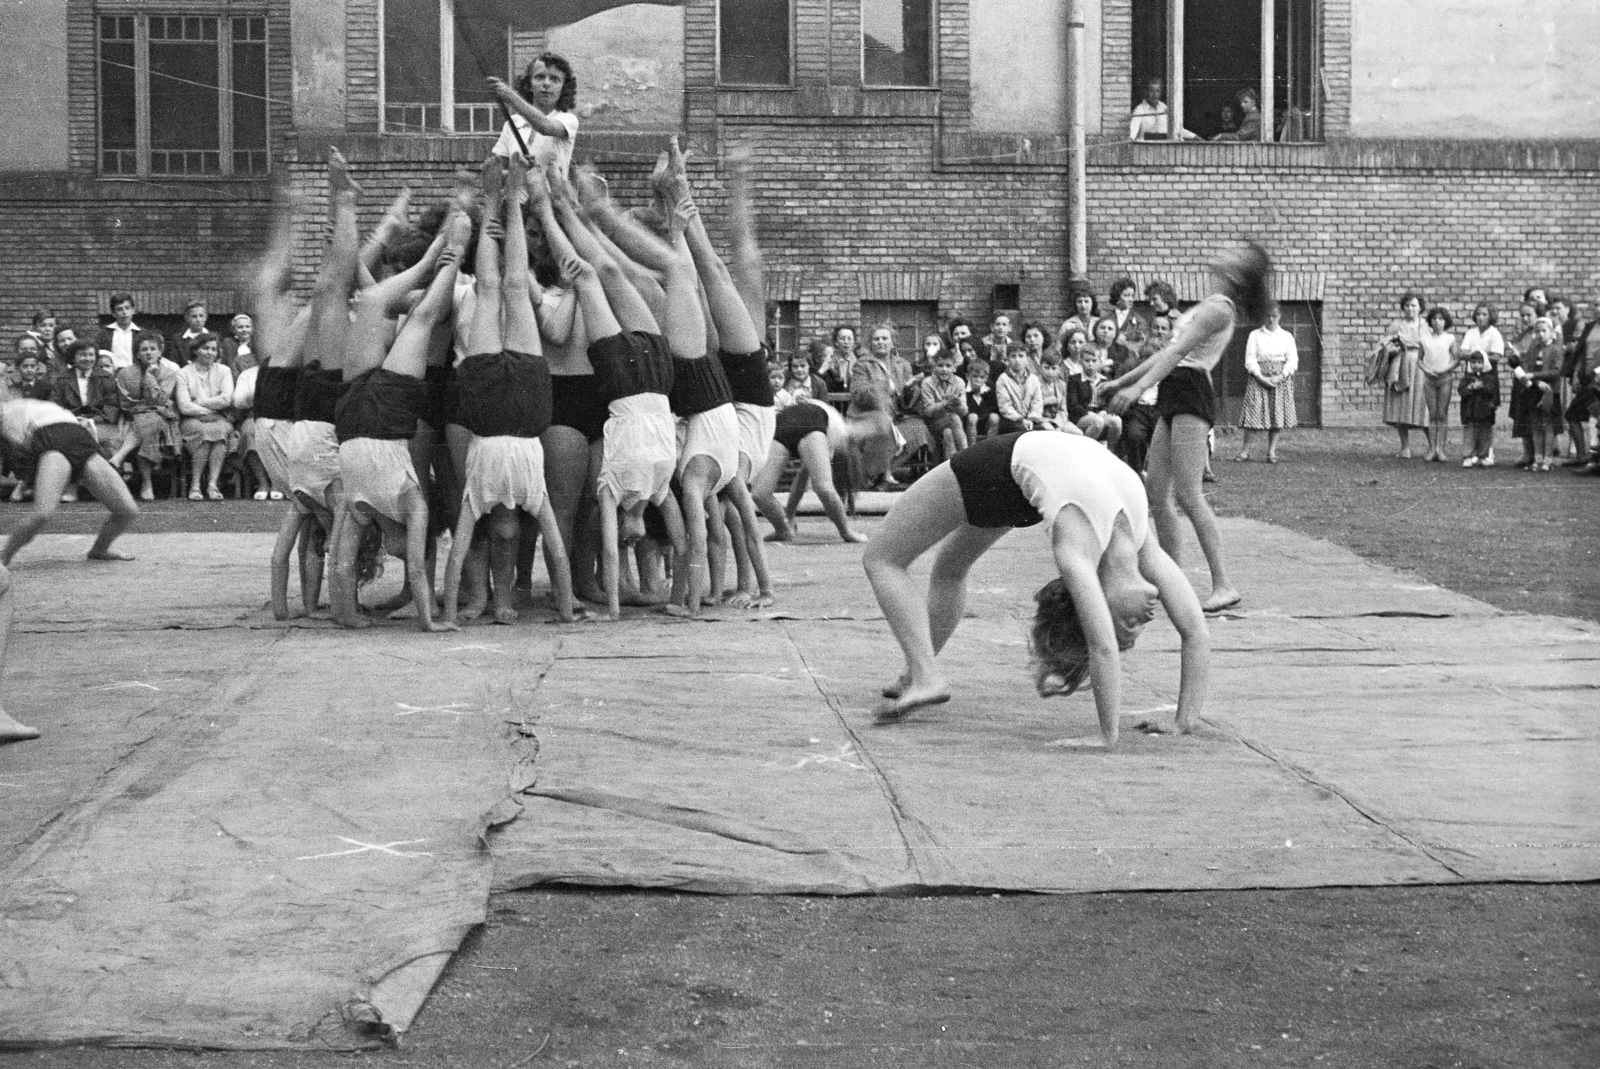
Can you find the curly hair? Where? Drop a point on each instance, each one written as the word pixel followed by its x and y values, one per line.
pixel 1059 648
pixel 1164 290
pixel 569 81
pixel 1440 310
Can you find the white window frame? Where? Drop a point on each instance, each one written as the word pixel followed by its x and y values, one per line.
pixel 447 81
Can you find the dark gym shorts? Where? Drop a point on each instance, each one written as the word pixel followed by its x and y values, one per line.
pixel 748 377
pixel 71 440
pixel 798 421
pixel 575 402
pixel 504 394
pixel 698 386
pixel 275 390
pixel 317 392
pixel 381 404
pixel 989 494
pixel 628 364
pixel 438 410
pixel 1186 392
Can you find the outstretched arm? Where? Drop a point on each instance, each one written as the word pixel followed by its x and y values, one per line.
pixel 516 105
pixel 1183 609
pixel 1094 616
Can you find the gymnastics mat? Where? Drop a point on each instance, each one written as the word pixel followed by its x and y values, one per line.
pixel 1364 727
pixel 234 835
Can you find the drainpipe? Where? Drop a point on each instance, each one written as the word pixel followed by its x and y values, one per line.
pixel 1077 181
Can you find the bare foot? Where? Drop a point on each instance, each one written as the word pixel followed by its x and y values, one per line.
pixel 853 535
pixel 516 180
pixel 398 215
pixel 11 731
pixel 910 700
pixel 779 536
pixel 898 687
pixel 441 625
pixel 538 188
pixel 354 623
pixel 108 554
pixel 590 592
pixel 593 192
pixel 493 179
pixel 1226 598
pixel 682 612
pixel 739 600
pixel 505 614
pixel 473 610
pixel 339 180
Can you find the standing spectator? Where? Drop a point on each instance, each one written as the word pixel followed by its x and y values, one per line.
pixel 1132 327
pixel 205 394
pixel 962 342
pixel 146 395
pixel 1569 329
pixel 1085 310
pixel 1405 408
pixel 1139 421
pixel 1527 315
pixel 118 337
pixel 844 352
pixel 1484 335
pixel 43 330
pixel 194 319
pixel 998 343
pixel 237 351
pixel 1535 397
pixel 1270 359
pixel 1249 116
pixel 1480 397
pixel 1535 295
pixel 1440 355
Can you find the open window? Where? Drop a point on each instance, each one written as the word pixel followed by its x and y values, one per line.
pixel 436 55
pixel 1211 55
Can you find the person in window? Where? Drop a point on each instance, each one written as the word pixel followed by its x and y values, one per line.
pixel 1249 118
pixel 541 109
pixel 1228 120
pixel 1148 122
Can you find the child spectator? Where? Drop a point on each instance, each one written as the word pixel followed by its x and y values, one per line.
pixel 1099 424
pixel 942 404
pixel 194 318
pixel 1033 342
pixel 983 417
pixel 237 351
pixel 1536 397
pixel 781 397
pixel 999 343
pixel 1440 355
pixel 825 365
pixel 33 381
pixel 1480 397
pixel 1017 396
pixel 1085 310
pixel 117 337
pixel 800 384
pixel 1074 346
pixel 1053 388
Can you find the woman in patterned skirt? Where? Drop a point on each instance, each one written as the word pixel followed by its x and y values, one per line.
pixel 1270 359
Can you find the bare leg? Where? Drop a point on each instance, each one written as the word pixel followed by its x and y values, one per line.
pixel 737 303
pixel 10 730
pixel 609 560
pixel 1187 453
pixel 744 506
pixel 928 512
pixel 763 491
pixel 1272 445
pixel 336 279
pixel 466 524
pixel 818 458
pixel 147 489
pixel 504 530
pixel 697 479
pixel 1158 486
pixel 289 533
pixel 109 489
pixel 214 462
pixel 1405 443
pixel 555 560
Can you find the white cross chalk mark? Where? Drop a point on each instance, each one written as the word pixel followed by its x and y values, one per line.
pixel 454 709
pixel 126 683
pixel 362 848
pixel 842 757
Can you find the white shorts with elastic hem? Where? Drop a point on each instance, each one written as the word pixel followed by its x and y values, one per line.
pixel 640 451
pixel 504 470
pixel 377 472
pixel 311 457
pixel 758 424
pixel 713 433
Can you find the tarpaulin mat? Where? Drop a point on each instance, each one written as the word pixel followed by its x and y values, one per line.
pixel 239 837
pixel 1364 727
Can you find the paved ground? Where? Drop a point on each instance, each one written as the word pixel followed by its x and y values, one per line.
pixel 1465 976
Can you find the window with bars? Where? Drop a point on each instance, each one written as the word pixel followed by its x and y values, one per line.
pixel 783 329
pixel 436 57
pixel 183 95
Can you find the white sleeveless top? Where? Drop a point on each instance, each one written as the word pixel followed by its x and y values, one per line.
pixel 1207 354
pixel 20 417
pixel 1054 470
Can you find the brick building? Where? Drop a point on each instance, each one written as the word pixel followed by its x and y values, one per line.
pixel 910 158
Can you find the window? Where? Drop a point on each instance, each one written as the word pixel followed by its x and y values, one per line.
pixel 183 95
pixel 436 55
pixel 1219 54
pixel 912 321
pixel 897 42
pixel 783 328
pixel 753 42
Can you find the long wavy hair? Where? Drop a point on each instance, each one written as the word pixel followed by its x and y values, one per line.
pixel 569 81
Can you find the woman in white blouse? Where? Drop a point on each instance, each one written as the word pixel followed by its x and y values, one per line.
pixel 541 109
pixel 1270 359
pixel 205 396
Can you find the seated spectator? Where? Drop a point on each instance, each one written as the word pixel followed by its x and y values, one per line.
pixel 1034 344
pixel 33 380
pixel 882 370
pixel 43 330
pixel 90 394
pixel 1162 297
pixel 58 363
pixel 236 352
pixel 932 346
pixel 825 366
pixel 27 345
pixel 1109 349
pixel 983 417
pixel 118 336
pixel 146 394
pixel 959 331
pixel 1018 397
pixel 942 404
pixel 1085 310
pixel 802 382
pixel 194 318
pixel 1149 118
pixel 781 397
pixel 1053 387
pixel 1227 121
pixel 1099 424
pixel 243 416
pixel 844 353
pixel 967 358
pixel 205 394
